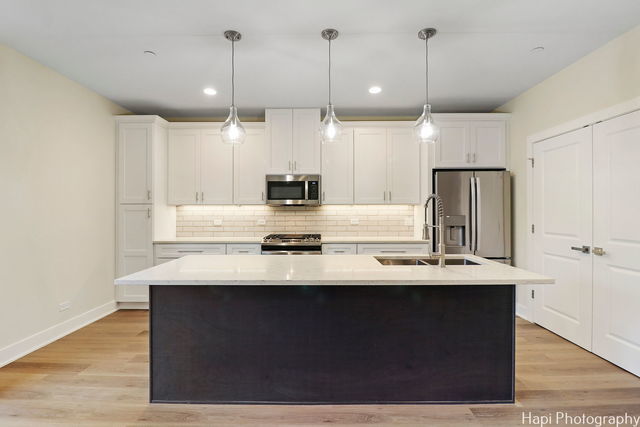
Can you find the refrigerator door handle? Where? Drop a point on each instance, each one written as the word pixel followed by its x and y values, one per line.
pixel 472 219
pixel 478 213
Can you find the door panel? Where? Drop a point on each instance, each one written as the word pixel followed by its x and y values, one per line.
pixel 488 144
pixel 134 165
pixel 250 169
pixel 135 249
pixel 279 136
pixel 454 189
pixel 404 166
pixel 337 170
pixel 306 141
pixel 616 281
pixel 493 215
pixel 216 169
pixel 453 146
pixel 370 165
pixel 562 181
pixel 183 167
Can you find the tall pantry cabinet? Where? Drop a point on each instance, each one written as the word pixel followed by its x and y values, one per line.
pixel 142 211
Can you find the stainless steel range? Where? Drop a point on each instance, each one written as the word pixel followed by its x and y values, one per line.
pixel 292 244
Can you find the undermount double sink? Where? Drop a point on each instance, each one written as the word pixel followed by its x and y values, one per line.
pixel 423 261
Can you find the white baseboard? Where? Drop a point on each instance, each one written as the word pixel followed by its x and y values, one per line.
pixel 27 345
pixel 133 306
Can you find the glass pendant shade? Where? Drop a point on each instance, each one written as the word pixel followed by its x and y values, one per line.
pixel 232 131
pixel 425 130
pixel 331 129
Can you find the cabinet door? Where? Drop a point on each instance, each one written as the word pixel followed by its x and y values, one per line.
pixel 216 169
pixel 306 141
pixel 370 165
pixel 337 171
pixel 392 248
pixel 404 166
pixel 279 136
pixel 135 249
pixel 134 163
pixel 616 272
pixel 250 169
pixel 454 145
pixel 183 166
pixel 488 141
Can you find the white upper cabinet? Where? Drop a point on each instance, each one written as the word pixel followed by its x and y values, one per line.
pixel 250 164
pixel 216 169
pixel 403 180
pixel 370 165
pixel 337 171
pixel 200 167
pixel 488 141
pixel 135 141
pixel 279 135
pixel 454 145
pixel 293 140
pixel 306 141
pixel 386 166
pixel 183 167
pixel 471 144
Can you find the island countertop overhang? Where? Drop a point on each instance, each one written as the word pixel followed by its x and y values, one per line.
pixel 328 270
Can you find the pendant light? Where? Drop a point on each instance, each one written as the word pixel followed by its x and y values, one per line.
pixel 232 131
pixel 424 129
pixel 331 128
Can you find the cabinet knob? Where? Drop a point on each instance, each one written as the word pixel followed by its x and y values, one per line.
pixel 598 251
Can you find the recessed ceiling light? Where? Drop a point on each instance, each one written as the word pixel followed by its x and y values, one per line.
pixel 149 52
pixel 209 91
pixel 375 89
pixel 537 49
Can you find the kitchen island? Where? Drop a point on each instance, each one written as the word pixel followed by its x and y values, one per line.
pixel 331 329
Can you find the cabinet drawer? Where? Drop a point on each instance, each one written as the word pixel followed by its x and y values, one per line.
pixel 392 248
pixel 183 249
pixel 339 249
pixel 243 249
pixel 162 260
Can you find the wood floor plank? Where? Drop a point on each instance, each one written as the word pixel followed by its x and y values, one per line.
pixel 98 376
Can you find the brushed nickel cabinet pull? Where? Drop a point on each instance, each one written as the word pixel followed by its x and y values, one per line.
pixel 196 196
pixel 148 212
pixel 148 194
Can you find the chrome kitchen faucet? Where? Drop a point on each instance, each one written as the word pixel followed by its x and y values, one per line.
pixel 440 226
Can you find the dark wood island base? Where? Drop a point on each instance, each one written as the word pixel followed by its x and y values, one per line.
pixel 332 344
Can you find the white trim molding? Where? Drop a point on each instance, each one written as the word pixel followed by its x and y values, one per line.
pixel 27 345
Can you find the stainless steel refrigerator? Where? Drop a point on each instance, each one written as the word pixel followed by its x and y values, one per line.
pixel 477 209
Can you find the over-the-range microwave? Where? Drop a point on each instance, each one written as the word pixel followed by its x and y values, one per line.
pixel 293 190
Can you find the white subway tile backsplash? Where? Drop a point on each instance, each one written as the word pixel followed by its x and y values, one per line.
pixel 330 220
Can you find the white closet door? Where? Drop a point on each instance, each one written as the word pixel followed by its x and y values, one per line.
pixel 216 169
pixel 337 170
pixel 404 166
pixel 183 167
pixel 562 180
pixel 616 335
pixel 370 165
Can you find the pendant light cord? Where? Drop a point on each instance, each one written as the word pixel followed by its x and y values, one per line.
pixel 426 67
pixel 233 73
pixel 329 71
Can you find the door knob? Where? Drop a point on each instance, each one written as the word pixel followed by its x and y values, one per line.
pixel 598 251
pixel 583 249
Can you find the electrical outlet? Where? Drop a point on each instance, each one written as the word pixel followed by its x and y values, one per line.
pixel 217 222
pixel 64 305
pixel 355 221
pixel 261 222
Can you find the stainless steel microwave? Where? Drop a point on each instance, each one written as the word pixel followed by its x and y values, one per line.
pixel 293 190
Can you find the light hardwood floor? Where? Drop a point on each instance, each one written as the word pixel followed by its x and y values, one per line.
pixel 99 376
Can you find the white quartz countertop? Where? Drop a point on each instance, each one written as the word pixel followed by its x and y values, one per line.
pixel 325 270
pixel 327 239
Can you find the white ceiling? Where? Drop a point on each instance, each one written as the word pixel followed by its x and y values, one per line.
pixel 479 59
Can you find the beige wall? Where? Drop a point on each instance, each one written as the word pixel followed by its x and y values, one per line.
pixel 57 185
pixel 610 75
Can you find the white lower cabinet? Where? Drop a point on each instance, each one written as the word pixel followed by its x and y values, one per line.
pixel 392 248
pixel 339 249
pixel 243 249
pixel 135 249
